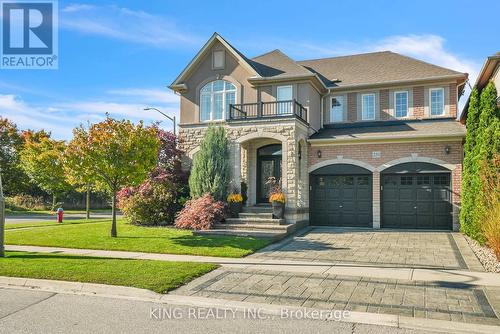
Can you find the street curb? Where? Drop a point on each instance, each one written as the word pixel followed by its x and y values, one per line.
pixel 119 292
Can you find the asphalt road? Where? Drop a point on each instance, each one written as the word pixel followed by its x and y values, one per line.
pixel 25 311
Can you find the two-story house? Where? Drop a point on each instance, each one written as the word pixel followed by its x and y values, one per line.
pixel 368 140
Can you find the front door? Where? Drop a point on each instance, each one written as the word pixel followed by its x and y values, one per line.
pixel 268 165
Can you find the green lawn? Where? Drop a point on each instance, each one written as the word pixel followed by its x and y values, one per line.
pixel 135 238
pixel 157 276
pixel 13 226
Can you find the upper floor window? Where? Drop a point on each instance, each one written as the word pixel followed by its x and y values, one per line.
pixel 436 101
pixel 215 98
pixel 337 109
pixel 218 59
pixel 368 106
pixel 284 96
pixel 401 104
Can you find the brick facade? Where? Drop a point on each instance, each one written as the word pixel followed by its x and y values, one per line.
pixel 377 157
pixel 418 102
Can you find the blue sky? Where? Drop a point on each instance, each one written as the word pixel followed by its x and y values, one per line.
pixel 119 56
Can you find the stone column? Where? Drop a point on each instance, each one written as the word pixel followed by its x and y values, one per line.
pixel 376 199
pixel 235 163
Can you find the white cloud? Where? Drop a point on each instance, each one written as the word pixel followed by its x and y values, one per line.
pixel 150 95
pixel 125 24
pixel 61 117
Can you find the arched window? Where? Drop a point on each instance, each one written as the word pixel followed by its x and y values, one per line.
pixel 215 98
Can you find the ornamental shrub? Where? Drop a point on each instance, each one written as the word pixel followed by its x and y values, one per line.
pixel 210 171
pixel 158 199
pixel 201 213
pixel 154 202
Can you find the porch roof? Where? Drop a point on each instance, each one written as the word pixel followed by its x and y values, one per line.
pixel 442 127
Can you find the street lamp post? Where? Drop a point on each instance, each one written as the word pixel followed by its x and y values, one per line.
pixel 161 112
pixel 2 219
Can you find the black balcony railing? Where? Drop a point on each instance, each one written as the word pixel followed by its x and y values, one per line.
pixel 261 110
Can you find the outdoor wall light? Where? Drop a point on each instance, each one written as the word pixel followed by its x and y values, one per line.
pixel 447 149
pixel 319 153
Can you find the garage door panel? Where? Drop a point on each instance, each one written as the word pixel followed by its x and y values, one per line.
pixel 416 201
pixel 424 194
pixel 345 201
pixel 407 194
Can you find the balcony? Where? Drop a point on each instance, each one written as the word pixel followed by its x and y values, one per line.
pixel 267 110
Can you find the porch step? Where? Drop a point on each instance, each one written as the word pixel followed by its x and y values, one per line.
pixel 255 227
pixel 258 215
pixel 265 234
pixel 258 209
pixel 255 220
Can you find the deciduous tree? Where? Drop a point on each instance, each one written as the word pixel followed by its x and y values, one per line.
pixel 118 154
pixel 41 159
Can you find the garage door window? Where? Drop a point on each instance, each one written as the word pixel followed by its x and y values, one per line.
pixel 362 180
pixel 348 180
pixel 406 180
pixel 423 180
pixel 441 180
pixel 391 180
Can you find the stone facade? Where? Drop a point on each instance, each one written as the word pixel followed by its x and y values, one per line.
pixel 245 138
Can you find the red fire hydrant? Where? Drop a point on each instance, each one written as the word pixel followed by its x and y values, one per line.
pixel 60 213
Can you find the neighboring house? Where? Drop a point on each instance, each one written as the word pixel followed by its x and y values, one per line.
pixel 489 72
pixel 368 140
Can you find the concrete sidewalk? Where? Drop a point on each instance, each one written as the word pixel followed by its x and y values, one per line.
pixel 470 278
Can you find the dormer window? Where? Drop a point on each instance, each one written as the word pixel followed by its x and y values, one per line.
pixel 218 60
pixel 215 98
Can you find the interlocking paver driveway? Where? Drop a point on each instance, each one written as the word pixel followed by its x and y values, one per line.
pixel 410 249
pixel 433 300
pixel 381 248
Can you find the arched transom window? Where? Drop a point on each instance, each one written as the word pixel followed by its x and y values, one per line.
pixel 215 98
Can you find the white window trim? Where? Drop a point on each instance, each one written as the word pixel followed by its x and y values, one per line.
pixel 430 102
pixel 407 103
pixel 343 104
pixel 363 106
pixel 223 92
pixel 281 87
pixel 223 60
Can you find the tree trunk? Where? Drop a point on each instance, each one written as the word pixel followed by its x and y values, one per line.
pixel 113 214
pixel 53 202
pixel 87 202
pixel 2 223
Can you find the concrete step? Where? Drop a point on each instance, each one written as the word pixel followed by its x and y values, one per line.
pixel 256 227
pixel 269 221
pixel 257 215
pixel 265 234
pixel 257 209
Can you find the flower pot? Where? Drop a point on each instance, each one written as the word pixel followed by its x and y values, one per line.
pixel 278 210
pixel 235 209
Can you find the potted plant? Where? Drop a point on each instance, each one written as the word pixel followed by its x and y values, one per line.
pixel 235 201
pixel 277 198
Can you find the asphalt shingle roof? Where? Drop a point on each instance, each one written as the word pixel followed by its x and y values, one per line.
pixel 361 69
pixel 371 130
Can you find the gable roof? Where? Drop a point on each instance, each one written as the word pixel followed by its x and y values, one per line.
pixel 277 64
pixel 178 82
pixel 375 68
